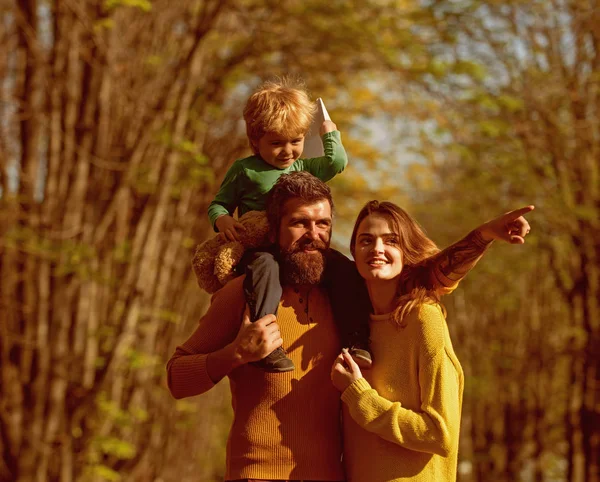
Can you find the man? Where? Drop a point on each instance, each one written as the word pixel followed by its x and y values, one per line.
pixel 287 425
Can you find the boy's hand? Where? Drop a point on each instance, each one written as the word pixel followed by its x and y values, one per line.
pixel 327 126
pixel 345 371
pixel 228 228
pixel 511 227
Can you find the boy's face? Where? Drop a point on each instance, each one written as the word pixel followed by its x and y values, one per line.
pixel 279 151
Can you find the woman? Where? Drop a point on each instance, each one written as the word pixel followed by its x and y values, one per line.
pixel 402 421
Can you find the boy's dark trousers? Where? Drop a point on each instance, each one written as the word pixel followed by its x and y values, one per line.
pixel 347 292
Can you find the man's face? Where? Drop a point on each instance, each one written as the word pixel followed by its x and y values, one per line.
pixel 304 236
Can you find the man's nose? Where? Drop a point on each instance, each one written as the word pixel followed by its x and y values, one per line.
pixel 312 231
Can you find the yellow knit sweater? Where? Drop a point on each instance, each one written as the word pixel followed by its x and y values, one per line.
pixel 401 422
pixel 286 425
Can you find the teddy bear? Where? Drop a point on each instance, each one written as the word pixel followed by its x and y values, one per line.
pixel 215 259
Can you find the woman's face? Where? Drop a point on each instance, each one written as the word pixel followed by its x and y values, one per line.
pixel 377 251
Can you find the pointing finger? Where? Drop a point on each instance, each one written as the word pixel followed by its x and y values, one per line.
pixel 517 213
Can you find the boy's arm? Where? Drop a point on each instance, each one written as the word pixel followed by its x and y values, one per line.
pixel 451 265
pixel 227 198
pixel 335 159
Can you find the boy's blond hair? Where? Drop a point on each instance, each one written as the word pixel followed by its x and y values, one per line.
pixel 281 106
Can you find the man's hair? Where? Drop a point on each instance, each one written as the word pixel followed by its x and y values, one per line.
pixel 295 185
pixel 281 106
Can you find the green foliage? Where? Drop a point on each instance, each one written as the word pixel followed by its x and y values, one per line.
pixel 143 5
pixel 103 472
pixel 115 447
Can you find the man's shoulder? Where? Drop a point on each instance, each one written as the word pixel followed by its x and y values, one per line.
pixel 232 292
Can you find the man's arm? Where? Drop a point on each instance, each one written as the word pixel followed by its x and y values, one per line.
pixel 222 342
pixel 452 264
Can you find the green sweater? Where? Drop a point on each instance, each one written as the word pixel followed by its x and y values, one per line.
pixel 248 181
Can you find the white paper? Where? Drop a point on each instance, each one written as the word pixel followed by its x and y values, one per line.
pixel 313 145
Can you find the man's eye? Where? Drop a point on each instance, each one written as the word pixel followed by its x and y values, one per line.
pixel 393 241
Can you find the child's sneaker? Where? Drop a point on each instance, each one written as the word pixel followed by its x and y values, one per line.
pixel 275 362
pixel 362 357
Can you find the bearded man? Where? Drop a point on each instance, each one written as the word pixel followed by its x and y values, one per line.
pixel 286 426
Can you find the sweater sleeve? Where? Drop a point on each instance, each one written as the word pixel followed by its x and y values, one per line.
pixel 450 266
pixel 333 162
pixel 186 370
pixel 228 196
pixel 435 427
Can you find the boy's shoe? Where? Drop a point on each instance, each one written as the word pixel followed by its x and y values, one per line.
pixel 275 362
pixel 361 357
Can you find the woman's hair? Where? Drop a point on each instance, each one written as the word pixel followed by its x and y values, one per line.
pixel 281 106
pixel 414 285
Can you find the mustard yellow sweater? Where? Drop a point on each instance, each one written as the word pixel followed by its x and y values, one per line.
pixel 286 425
pixel 401 422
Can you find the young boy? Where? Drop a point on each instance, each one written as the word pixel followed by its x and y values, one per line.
pixel 278 116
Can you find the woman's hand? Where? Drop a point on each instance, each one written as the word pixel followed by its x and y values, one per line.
pixel 511 227
pixel 344 371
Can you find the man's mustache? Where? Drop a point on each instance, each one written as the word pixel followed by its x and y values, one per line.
pixel 308 244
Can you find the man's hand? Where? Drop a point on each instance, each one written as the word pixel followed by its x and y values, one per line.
pixel 345 371
pixel 511 227
pixel 327 126
pixel 256 340
pixel 228 228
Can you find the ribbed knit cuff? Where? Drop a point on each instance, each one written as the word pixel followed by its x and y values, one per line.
pixel 353 392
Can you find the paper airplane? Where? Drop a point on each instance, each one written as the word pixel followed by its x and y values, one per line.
pixel 313 146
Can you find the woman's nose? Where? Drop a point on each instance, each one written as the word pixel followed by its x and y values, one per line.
pixel 378 246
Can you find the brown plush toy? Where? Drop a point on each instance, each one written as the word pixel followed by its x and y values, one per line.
pixel 215 259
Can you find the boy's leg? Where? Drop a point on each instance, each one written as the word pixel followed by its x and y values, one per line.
pixel 350 304
pixel 262 289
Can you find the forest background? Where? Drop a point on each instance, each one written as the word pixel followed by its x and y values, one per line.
pixel 118 118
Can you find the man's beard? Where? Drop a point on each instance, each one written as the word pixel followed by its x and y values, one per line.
pixel 303 268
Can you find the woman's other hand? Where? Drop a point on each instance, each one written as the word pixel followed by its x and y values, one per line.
pixel 344 371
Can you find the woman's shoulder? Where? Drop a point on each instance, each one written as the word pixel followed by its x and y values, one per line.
pixel 430 324
pixel 431 314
